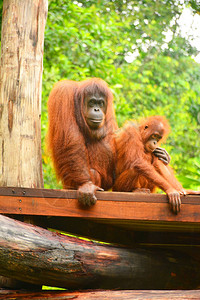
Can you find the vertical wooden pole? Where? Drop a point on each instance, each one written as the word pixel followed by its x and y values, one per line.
pixel 22 41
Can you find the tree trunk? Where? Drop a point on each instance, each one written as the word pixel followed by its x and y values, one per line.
pixel 38 256
pixel 22 42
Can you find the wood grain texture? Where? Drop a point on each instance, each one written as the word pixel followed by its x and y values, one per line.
pixel 142 220
pixel 100 295
pixel 72 194
pixel 22 41
pixel 36 255
pixel 110 205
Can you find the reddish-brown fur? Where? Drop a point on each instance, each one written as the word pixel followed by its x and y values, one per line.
pixel 160 125
pixel 138 169
pixel 79 154
pixel 135 168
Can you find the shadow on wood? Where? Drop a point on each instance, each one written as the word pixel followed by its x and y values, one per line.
pixel 35 255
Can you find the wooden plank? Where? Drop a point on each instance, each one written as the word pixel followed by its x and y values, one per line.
pixel 103 209
pixel 130 211
pixel 99 295
pixel 106 196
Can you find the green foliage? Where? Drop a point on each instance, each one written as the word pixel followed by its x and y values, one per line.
pixel 97 38
pixel 50 288
pixel 190 177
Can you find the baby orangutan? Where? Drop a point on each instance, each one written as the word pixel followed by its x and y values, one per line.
pixel 138 169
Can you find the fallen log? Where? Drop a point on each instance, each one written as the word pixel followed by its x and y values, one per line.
pixel 99 295
pixel 36 255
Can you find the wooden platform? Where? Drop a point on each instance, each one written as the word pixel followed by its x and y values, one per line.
pixel 99 295
pixel 110 206
pixel 139 221
pixel 122 218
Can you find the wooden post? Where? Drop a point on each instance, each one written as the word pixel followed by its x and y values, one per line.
pixel 22 42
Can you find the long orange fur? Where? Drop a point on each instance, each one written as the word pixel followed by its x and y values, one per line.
pixel 80 154
pixel 136 168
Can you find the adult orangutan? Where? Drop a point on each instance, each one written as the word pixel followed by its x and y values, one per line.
pixel 80 136
pixel 137 169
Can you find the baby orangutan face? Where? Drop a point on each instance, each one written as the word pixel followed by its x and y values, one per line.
pixel 152 142
pixel 152 132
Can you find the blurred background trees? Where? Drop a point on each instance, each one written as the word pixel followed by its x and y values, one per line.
pixel 139 49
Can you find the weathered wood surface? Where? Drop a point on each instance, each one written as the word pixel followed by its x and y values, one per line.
pixel 116 221
pixel 100 295
pixel 22 43
pixel 22 39
pixel 110 205
pixel 35 255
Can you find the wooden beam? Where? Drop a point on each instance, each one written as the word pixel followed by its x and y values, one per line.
pixel 36 255
pixel 99 295
pixel 110 205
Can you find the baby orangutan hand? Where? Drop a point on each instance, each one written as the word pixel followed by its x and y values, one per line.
pixel 162 154
pixel 174 200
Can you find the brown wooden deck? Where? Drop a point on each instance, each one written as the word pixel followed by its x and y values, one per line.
pixel 110 206
pixel 99 295
pixel 122 218
pixel 140 220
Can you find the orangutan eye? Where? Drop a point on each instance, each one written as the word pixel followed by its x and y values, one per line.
pixel 156 137
pixel 101 103
pixel 146 127
pixel 91 102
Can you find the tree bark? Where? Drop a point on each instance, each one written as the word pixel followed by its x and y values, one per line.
pixel 36 255
pixel 22 42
